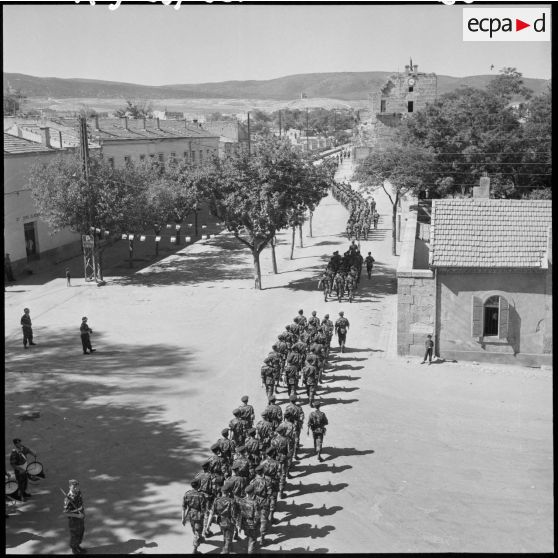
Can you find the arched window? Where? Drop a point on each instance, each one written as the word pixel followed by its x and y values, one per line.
pixel 491 311
pixel 491 318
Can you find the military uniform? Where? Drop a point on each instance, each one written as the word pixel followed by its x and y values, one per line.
pixel 310 375
pixel 227 448
pixel 317 422
pixel 274 413
pixel 85 332
pixel 18 462
pixel 341 326
pixel 369 265
pixel 271 469
pixel 268 379
pixel 246 413
pixel 281 446
pixel 264 430
pixel 295 413
pixel 73 504
pixel 194 508
pixel 262 490
pixel 250 518
pixel 226 510
pixel 27 329
pixel 238 428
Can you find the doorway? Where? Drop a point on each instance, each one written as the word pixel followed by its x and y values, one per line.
pixel 31 241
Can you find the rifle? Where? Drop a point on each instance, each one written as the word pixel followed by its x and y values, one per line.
pixel 72 513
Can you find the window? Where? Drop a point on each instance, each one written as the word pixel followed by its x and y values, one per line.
pixel 491 317
pixel 410 88
pixel 185 155
pixel 111 162
pixel 383 105
pixel 172 158
pixel 161 157
pixel 193 156
pixel 142 157
pixel 127 160
pixel 201 156
pixel 410 106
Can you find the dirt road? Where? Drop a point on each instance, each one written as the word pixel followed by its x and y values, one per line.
pixel 446 458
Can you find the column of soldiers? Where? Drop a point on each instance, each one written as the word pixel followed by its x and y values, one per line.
pixel 240 483
pixel 342 274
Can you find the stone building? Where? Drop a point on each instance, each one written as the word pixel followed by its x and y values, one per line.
pixel 403 94
pixel 481 284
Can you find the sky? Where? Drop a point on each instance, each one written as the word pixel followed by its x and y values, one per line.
pixel 155 44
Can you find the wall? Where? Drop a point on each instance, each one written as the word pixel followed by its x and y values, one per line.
pixel 20 209
pixel 527 295
pixel 415 295
pixel 118 149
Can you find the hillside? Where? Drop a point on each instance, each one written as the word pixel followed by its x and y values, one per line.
pixel 338 85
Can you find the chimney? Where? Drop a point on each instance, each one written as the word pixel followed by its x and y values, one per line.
pixel 415 68
pixel 45 135
pixel 124 120
pixel 407 68
pixel 157 125
pixel 96 117
pixel 482 191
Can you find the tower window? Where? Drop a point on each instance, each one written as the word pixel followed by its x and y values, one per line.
pixel 411 87
pixel 383 105
pixel 491 312
pixel 410 106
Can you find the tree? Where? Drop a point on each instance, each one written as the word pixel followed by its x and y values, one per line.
pixel 135 108
pixel 13 99
pixel 113 200
pixel 509 84
pixel 404 167
pixel 252 194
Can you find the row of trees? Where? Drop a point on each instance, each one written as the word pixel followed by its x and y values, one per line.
pixel 255 196
pixel 444 149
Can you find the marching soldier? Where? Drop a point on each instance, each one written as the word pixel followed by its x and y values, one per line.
pixel 269 376
pixel 274 412
pixel 246 413
pixel 271 469
pixel 314 320
pixel 253 449
pixel 237 427
pixel 295 413
pixel 287 428
pixel 262 491
pixel 310 378
pixel 74 510
pixel 241 464
pixel 26 328
pixel 317 421
pixel 249 518
pixel 226 510
pixel 328 330
pixel 194 507
pixel 264 429
pixel 227 448
pixel 292 375
pixel 341 327
pixel 281 445
pixel 205 483
pixel 301 319
pixel 369 260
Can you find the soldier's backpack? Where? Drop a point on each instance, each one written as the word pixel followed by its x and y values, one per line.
pixel 260 487
pixel 248 509
pixel 196 504
pixel 224 508
pixel 245 412
pixel 281 445
pixel 317 422
pixel 264 430
pixel 252 446
pixel 274 412
pixel 226 447
pixel 205 483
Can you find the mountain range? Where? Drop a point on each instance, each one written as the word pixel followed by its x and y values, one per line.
pixel 348 86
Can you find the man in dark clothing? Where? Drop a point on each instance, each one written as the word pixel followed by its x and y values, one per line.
pixel 341 326
pixel 18 461
pixel 274 412
pixel 369 264
pixel 85 331
pixel 194 507
pixel 26 328
pixel 429 346
pixel 226 511
pixel 317 422
pixel 73 508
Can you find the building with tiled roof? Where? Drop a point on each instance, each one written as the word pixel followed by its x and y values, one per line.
pixel 485 233
pixel 486 293
pixel 14 145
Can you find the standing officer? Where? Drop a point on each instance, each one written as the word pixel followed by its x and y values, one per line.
pixel 18 461
pixel 341 327
pixel 194 506
pixel 26 328
pixel 85 331
pixel 317 421
pixel 74 510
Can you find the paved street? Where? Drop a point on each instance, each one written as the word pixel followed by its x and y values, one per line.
pixel 445 458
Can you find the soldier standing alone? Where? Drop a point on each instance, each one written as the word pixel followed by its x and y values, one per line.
pixel 317 421
pixel 341 326
pixel 85 331
pixel 26 328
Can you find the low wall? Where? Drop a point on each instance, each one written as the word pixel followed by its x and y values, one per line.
pixel 416 296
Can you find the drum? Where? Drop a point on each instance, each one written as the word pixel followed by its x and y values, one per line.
pixel 11 487
pixel 35 471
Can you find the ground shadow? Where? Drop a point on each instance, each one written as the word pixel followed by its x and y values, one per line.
pixel 293 511
pixel 336 400
pixel 330 390
pixel 348 367
pixel 316 487
pixel 15 539
pixel 335 378
pixel 333 453
pixel 121 453
pixel 223 258
pixel 127 547
pixel 318 468
pixel 306 530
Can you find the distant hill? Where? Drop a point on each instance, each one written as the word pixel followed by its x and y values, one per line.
pixel 347 86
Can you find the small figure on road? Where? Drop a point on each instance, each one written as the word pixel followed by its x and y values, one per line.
pixel 194 505
pixel 317 422
pixel 376 219
pixel 18 462
pixel 26 328
pixel 341 327
pixel 429 346
pixel 369 264
pixel 68 277
pixel 74 510
pixel 85 332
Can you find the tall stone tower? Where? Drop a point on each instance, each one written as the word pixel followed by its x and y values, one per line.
pixel 402 95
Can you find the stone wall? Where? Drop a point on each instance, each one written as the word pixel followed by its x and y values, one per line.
pixel 416 296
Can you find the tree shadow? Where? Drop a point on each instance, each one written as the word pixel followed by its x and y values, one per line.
pixel 127 547
pixel 123 454
pixel 21 537
pixel 216 260
pixel 332 452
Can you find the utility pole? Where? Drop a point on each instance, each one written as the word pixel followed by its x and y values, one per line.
pixel 88 241
pixel 249 139
pixel 279 123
